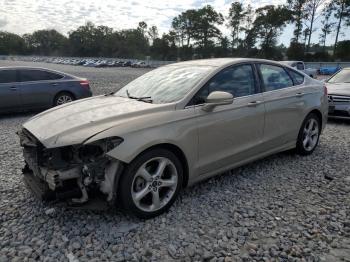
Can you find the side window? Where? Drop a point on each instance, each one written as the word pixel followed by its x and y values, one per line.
pixel 53 76
pixel 274 77
pixel 237 80
pixel 36 75
pixel 297 77
pixel 7 76
pixel 300 66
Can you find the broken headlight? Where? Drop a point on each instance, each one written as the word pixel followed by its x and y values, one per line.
pixel 94 150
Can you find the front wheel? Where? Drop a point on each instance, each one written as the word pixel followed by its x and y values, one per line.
pixel 309 135
pixel 151 183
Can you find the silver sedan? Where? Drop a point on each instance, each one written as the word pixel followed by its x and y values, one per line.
pixel 170 128
pixel 339 94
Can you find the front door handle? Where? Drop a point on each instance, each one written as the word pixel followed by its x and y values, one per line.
pixel 300 94
pixel 54 84
pixel 13 88
pixel 254 103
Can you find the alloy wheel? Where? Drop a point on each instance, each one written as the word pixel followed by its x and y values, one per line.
pixel 154 184
pixel 310 134
pixel 63 99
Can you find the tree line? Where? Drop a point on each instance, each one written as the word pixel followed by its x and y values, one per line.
pixel 195 33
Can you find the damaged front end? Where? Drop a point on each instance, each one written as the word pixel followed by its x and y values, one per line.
pixel 75 172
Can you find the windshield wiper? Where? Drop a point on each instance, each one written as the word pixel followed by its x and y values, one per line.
pixel 146 99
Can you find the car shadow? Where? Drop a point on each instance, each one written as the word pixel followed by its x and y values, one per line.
pixel 339 121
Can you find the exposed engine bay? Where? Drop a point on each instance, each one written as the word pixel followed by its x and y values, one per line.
pixel 74 171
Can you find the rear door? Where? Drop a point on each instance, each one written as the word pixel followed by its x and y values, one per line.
pixel 9 92
pixel 284 103
pixel 38 87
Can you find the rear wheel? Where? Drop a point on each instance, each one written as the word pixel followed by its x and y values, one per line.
pixel 151 183
pixel 63 98
pixel 309 135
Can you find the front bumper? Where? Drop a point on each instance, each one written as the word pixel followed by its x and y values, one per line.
pixel 339 107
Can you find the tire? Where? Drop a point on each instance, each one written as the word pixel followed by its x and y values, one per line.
pixel 309 135
pixel 63 98
pixel 138 190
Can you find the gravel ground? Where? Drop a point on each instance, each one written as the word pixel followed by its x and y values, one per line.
pixel 282 208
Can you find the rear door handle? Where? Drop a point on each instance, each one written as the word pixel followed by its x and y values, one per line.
pixel 300 94
pixel 54 84
pixel 13 88
pixel 254 103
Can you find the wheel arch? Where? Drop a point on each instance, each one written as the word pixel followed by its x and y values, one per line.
pixel 317 113
pixel 178 152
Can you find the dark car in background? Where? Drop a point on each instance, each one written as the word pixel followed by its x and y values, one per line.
pixel 339 94
pixel 28 88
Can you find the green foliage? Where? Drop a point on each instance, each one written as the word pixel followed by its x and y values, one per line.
pixel 343 50
pixel 195 33
pixel 295 51
pixel 11 44
pixel 235 21
pixel 268 25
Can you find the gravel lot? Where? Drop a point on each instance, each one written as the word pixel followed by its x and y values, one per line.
pixel 283 208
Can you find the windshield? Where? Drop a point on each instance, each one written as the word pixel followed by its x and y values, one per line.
pixel 342 76
pixel 165 84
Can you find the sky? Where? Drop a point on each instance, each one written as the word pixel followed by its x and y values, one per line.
pixel 26 16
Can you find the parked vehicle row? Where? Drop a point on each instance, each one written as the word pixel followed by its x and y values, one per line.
pixel 90 62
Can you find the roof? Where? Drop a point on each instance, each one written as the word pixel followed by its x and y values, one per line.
pixel 219 62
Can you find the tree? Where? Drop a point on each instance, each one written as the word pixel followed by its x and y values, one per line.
pixel 142 27
pixel 183 26
pixel 311 14
pixel 297 7
pixel 295 51
pixel 205 28
pixel 343 50
pixel 46 42
pixel 327 25
pixel 341 9
pixel 153 33
pixel 267 26
pixel 11 44
pixel 236 19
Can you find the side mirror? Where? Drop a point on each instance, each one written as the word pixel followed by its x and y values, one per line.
pixel 217 98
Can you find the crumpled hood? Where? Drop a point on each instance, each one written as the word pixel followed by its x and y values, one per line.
pixel 77 121
pixel 338 88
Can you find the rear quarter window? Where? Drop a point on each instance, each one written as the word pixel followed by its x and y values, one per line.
pixel 297 77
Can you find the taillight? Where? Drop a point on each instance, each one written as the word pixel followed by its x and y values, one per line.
pixel 85 83
pixel 325 90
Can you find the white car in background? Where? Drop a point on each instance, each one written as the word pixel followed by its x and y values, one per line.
pixel 299 65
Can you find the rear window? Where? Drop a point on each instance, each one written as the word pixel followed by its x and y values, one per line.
pixel 297 77
pixel 37 75
pixel 274 77
pixel 7 76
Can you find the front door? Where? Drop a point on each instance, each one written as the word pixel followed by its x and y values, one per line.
pixel 230 133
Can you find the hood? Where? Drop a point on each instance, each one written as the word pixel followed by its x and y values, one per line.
pixel 75 122
pixel 338 89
